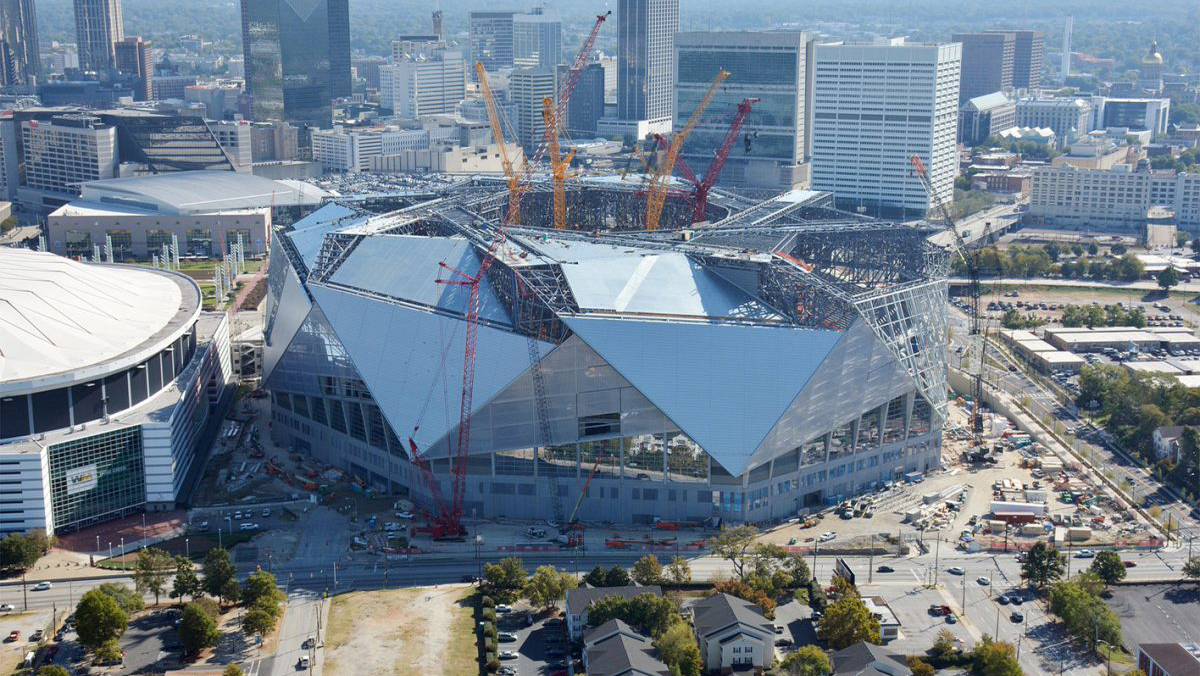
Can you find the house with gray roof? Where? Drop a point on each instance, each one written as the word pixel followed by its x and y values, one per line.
pixel 615 649
pixel 868 659
pixel 733 634
pixel 579 599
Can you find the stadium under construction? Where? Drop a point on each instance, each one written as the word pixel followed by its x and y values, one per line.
pixel 779 355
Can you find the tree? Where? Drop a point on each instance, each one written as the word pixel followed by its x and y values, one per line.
pixel 506 579
pixel 218 572
pixel 995 658
pixel 186 583
pixel 920 667
pixel 1168 277
pixel 129 600
pixel 734 545
pixel 648 613
pixel 261 590
pixel 151 570
pixel 1118 249
pixel 848 621
pixel 1092 249
pixel 53 670
pixel 1108 566
pixel 231 591
pixel 20 552
pixel 1128 268
pixel 1084 614
pixel 98 619
pixel 1191 569
pixel 109 653
pixel 259 619
pixel 747 592
pixel 945 649
pixel 807 660
pixel 608 577
pixel 679 570
pixel 1043 565
pixel 197 629
pixel 648 570
pixel 233 670
pixel 678 650
pixel 547 585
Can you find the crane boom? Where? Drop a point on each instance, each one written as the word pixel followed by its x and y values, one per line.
pixel 718 160
pixel 510 174
pixel 568 87
pixel 971 260
pixel 661 180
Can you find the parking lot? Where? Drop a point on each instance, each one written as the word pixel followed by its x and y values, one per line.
pixel 1157 613
pixel 540 645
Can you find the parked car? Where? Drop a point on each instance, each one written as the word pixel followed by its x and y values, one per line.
pixel 778 629
pixel 508 654
pixel 1016 617
pixel 827 536
pixel 983 580
pixel 302 663
pixel 308 643
pixel 1002 600
pixel 951 619
pixel 506 637
pixel 1016 600
pixel 12 636
pixel 248 526
pixel 783 642
pixel 503 608
pixel 37 635
pixel 266 512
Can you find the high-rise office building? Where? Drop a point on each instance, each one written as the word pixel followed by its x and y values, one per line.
pixel 491 39
pixel 294 57
pixel 586 106
pixel 646 59
pixel 875 105
pixel 423 79
pixel 133 60
pixel 770 66
pixel 537 39
pixel 528 88
pixel 987 63
pixel 19 59
pixel 1029 57
pixel 98 28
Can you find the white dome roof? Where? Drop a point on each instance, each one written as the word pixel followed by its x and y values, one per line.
pixel 59 316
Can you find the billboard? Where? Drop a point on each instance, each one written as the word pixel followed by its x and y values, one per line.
pixel 842 569
pixel 82 479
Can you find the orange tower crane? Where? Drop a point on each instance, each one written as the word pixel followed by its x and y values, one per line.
pixel 558 164
pixel 510 173
pixel 661 181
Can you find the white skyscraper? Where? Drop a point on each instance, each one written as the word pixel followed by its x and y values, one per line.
pixel 537 39
pixel 527 88
pixel 423 79
pixel 874 106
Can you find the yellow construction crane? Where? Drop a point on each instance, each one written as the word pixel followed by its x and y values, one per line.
pixel 558 163
pixel 661 180
pixel 514 179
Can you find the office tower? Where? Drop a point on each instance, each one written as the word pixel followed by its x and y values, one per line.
pixel 98 27
pixel 984 116
pixel 770 66
pixel 1029 55
pixel 19 59
pixel 646 59
pixel 66 150
pixel 874 106
pixel 491 39
pixel 235 139
pixel 987 63
pixel 537 39
pixel 1136 114
pixel 1066 52
pixel 527 88
pixel 586 106
pixel 1069 118
pixel 297 58
pixel 424 78
pixel 133 60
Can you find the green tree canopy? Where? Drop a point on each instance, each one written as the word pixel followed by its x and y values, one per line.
pixel 197 629
pixel 98 619
pixel 994 658
pixel 548 585
pixel 648 613
pixel 1043 564
pixel 186 582
pixel 648 570
pixel 679 570
pixel 678 650
pixel 1168 277
pixel 259 619
pixel 53 670
pixel 151 571
pixel 233 669
pixel 1191 569
pixel 1085 615
pixel 1109 566
pixel 261 590
pixel 920 667
pixel 807 660
pixel 218 572
pixel 616 576
pixel 735 545
pixel 848 621
pixel 505 580
pixel 129 600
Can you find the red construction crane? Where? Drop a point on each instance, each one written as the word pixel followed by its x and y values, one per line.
pixel 700 193
pixel 568 87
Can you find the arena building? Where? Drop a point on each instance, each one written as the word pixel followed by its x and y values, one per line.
pixel 109 379
pixel 777 357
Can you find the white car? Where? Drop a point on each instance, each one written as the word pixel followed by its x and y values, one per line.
pixel 41 586
pixel 502 608
pixel 6 607
pixel 827 536
pixel 404 515
pixel 983 581
pixel 1085 554
pixel 957 570
pixel 248 526
pixel 508 655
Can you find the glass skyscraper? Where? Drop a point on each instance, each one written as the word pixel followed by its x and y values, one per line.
pixel 297 55
pixel 98 27
pixel 18 42
pixel 645 58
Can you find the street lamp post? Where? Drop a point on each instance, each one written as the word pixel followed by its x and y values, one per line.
pixel 478 563
pixel 187 548
pixel 122 553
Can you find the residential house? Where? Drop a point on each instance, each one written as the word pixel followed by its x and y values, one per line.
pixel 867 659
pixel 733 635
pixel 889 624
pixel 578 601
pixel 615 649
pixel 1166 442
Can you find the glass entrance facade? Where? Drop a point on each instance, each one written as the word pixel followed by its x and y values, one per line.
pixel 97 478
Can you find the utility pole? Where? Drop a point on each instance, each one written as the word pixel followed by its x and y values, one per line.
pixel 964 603
pixel 871 561
pixel 24 592
pixel 937 552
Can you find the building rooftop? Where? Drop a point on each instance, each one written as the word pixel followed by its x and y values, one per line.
pixel 719 611
pixel 581 597
pixel 192 192
pixel 58 317
pixel 987 101
pixel 1176 659
pixel 866 659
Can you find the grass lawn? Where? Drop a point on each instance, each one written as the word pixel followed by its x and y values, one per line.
pixel 424 631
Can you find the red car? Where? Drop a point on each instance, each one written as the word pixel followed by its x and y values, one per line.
pixel 12 636
pixel 1129 564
